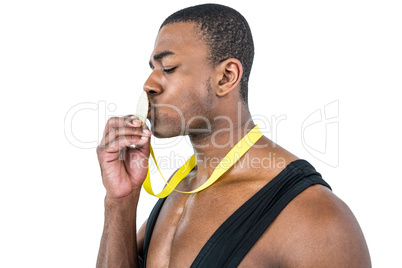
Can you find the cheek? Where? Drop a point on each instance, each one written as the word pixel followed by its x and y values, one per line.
pixel 199 113
pixel 185 96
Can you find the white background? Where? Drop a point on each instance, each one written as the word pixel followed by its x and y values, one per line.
pixel 55 55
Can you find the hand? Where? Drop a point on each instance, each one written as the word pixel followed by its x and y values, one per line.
pixel 124 168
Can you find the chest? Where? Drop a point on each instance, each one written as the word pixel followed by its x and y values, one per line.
pixel 186 223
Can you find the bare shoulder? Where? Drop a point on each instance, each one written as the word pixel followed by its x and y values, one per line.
pixel 317 229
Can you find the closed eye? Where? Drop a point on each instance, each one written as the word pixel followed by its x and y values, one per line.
pixel 168 71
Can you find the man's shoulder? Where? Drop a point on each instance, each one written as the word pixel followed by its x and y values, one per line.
pixel 317 229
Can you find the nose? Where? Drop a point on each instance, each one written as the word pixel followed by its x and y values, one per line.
pixel 152 86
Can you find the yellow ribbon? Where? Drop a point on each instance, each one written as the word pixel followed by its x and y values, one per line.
pixel 226 163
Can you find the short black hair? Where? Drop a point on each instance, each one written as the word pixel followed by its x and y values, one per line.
pixel 226 33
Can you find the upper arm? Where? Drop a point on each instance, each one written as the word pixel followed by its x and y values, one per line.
pixel 141 238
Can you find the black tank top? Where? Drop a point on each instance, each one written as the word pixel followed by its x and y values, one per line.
pixel 237 235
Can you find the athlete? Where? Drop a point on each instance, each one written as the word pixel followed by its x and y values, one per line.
pixel 270 209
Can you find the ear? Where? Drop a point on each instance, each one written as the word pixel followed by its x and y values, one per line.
pixel 229 74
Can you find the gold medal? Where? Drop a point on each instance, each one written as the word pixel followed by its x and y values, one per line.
pixel 142 107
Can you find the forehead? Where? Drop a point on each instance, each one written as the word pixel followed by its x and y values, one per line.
pixel 181 38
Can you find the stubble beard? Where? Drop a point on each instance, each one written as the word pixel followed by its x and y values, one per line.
pixel 195 120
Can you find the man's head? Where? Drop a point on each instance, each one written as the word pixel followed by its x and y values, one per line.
pixel 200 68
pixel 226 33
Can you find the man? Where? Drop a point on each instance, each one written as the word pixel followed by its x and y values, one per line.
pixel 252 216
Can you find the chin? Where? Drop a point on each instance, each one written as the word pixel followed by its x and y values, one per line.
pixel 166 129
pixel 165 134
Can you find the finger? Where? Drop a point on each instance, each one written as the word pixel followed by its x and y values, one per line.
pixel 112 123
pixel 133 120
pixel 116 122
pixel 123 131
pixel 120 142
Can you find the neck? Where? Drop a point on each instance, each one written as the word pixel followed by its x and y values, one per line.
pixel 225 132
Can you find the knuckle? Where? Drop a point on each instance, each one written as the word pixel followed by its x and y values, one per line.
pixel 129 116
pixel 111 133
pixel 112 121
pixel 99 149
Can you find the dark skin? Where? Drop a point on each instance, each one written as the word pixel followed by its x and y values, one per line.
pixel 316 229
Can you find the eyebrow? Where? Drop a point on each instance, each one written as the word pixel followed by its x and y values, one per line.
pixel 160 56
